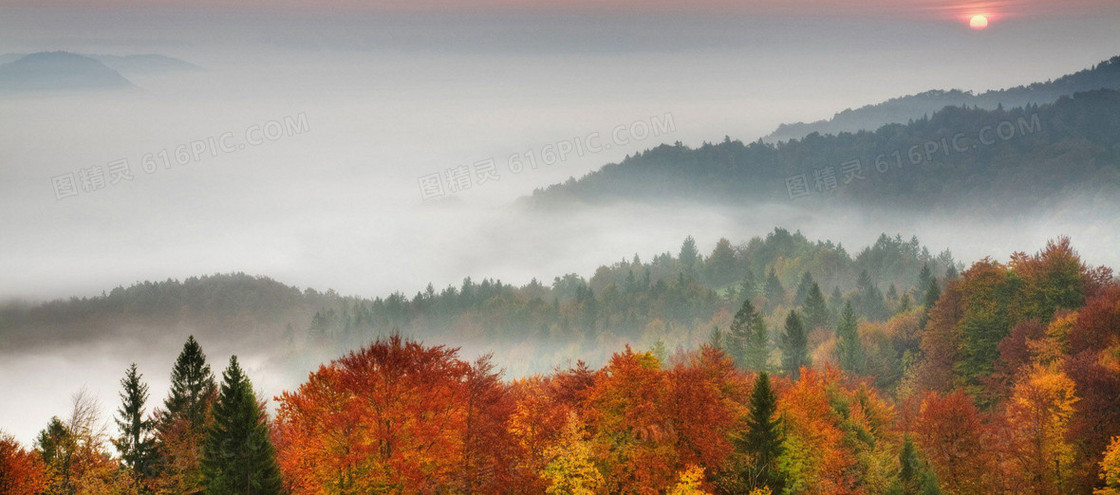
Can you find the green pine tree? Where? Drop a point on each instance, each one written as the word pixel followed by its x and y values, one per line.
pixel 192 388
pixel 816 310
pixel 716 339
pixel 136 443
pixel 795 346
pixel 689 255
pixel 238 456
pixel 775 293
pixel 181 425
pixel 933 293
pixel 914 478
pixel 849 350
pixel 763 442
pixel 803 289
pixel 747 340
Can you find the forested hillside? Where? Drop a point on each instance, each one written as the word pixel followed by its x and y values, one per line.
pixel 1105 75
pixel 956 160
pixel 1001 379
pixel 674 298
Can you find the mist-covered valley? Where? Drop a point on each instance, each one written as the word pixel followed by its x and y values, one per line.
pixel 279 202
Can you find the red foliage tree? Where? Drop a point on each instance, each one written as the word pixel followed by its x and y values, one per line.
pixel 22 472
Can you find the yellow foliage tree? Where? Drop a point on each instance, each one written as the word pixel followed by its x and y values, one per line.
pixel 1040 410
pixel 1110 469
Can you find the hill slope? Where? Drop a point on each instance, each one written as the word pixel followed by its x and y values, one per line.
pixel 1105 75
pixel 997 159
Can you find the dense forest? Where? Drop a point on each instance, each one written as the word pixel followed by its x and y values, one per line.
pixel 1105 75
pixel 958 159
pixel 1002 378
pixel 674 298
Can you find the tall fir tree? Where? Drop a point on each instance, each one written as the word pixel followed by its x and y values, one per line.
pixel 689 255
pixel 238 455
pixel 716 339
pixel 181 425
pixel 869 299
pixel 816 310
pixel 914 478
pixel 747 340
pixel 933 293
pixel 803 289
pixel 192 387
pixel 136 443
pixel 763 442
pixel 924 277
pixel 849 350
pixel 795 346
pixel 775 293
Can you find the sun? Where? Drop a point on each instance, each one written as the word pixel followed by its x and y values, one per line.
pixel 978 22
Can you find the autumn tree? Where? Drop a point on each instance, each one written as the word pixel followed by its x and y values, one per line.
pixel 1110 469
pixel 22 472
pixel 704 403
pixel 1040 409
pixel 951 434
pixel 571 469
pixel 238 456
pixel 631 426
pixel 390 416
pixel 75 453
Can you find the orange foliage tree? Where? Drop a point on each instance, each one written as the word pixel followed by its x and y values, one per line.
pixel 22 472
pixel 395 415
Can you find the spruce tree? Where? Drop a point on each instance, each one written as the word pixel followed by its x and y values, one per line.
pixel 914 478
pixel 775 293
pixel 849 350
pixel 763 442
pixel 180 426
pixel 933 293
pixel 803 289
pixel 816 310
pixel 924 277
pixel 192 387
pixel 747 340
pixel 795 346
pixel 238 456
pixel 689 255
pixel 135 444
pixel 716 339
pixel 904 304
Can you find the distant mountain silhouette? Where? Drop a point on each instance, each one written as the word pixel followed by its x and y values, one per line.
pixel 145 64
pixel 1000 160
pixel 1105 75
pixel 151 63
pixel 59 71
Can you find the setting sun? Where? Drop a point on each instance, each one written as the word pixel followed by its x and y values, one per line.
pixel 978 22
